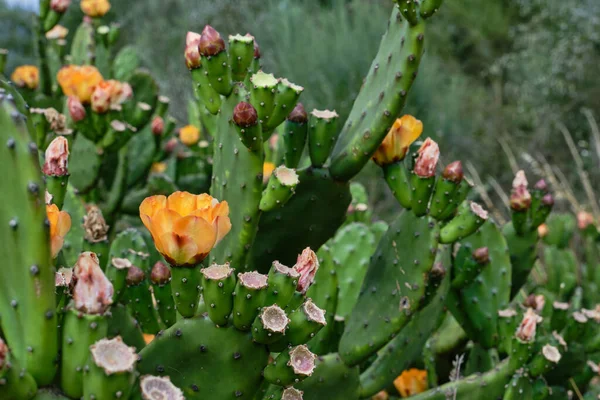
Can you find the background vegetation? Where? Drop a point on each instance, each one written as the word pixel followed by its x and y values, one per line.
pixel 503 85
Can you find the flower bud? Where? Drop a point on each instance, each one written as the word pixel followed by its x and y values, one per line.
pixel 171 145
pixel 94 225
pixel 584 219
pixel 160 274
pixel 256 48
pixel 526 330
pixel 429 154
pixel 307 266
pixel 520 198
pixel 192 51
pixel 244 115
pixel 298 114
pixel 541 185
pixel 76 109
pixel 454 172
pixel 60 6
pixel 93 291
pixel 158 126
pixel 542 230
pixel 56 33
pixel 101 98
pixel 135 276
pixel 481 255
pixel 211 42
pixel 57 157
pixel 548 200
pixel 189 135
pixel 395 145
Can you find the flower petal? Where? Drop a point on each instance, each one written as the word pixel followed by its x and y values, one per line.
pixel 197 228
pixel 64 223
pixel 163 221
pixel 178 250
pixel 182 202
pixel 150 207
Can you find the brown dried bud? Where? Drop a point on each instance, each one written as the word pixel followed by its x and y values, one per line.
pixel 94 225
pixel 57 121
pixel 307 266
pixel 160 274
pixel 158 126
pixel 135 276
pixel 481 255
pixel 298 114
pixel 211 42
pixel 454 172
pixel 93 291
pixel 244 115
pixel 76 109
pixel 57 157
pixel 429 154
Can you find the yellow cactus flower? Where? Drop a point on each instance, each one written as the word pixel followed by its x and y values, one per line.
pixel 60 223
pixel 185 227
pixel 158 167
pixel 26 76
pixel 95 8
pixel 399 138
pixel 79 81
pixel 268 168
pixel 189 135
pixel 411 382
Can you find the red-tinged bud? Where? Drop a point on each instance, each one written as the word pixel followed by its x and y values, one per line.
pixel 135 276
pixel 584 219
pixel 3 354
pixel 298 114
pixel 520 198
pixel 429 154
pixel 192 51
pixel 158 125
pixel 171 145
pixel 256 49
pixel 57 157
pixel 526 331
pixel 454 172
pixel 307 266
pixel 211 42
pixel 60 6
pixel 536 302
pixel 548 200
pixel 95 228
pixel 244 115
pixel 541 185
pixel 76 109
pixel 481 255
pixel 93 291
pixel 160 274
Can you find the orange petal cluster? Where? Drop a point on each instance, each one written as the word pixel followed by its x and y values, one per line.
pixel 79 81
pixel 95 8
pixel 411 382
pixel 110 95
pixel 189 135
pixel 185 227
pixel 26 76
pixel 399 138
pixel 60 223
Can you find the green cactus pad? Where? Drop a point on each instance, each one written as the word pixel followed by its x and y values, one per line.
pixel 193 349
pixel 331 380
pixel 84 164
pixel 393 287
pixel 125 63
pixel 523 254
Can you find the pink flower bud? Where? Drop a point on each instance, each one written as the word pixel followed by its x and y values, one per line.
pixel 60 6
pixel 429 154
pixel 158 126
pixel 192 52
pixel 93 291
pixel 211 42
pixel 307 266
pixel 57 157
pixel 244 115
pixel 76 109
pixel 520 198
pixel 526 331
pixel 454 172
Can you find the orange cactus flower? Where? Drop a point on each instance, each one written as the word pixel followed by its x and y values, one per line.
pixel 26 76
pixel 189 135
pixel 399 138
pixel 95 8
pixel 268 169
pixel 79 81
pixel 110 95
pixel 411 382
pixel 185 227
pixel 60 223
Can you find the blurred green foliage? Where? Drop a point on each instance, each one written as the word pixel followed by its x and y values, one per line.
pixel 494 70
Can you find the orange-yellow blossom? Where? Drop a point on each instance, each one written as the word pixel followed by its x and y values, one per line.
pixel 60 223
pixel 185 227
pixel 189 135
pixel 95 8
pixel 399 138
pixel 411 382
pixel 26 76
pixel 79 81
pixel 268 168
